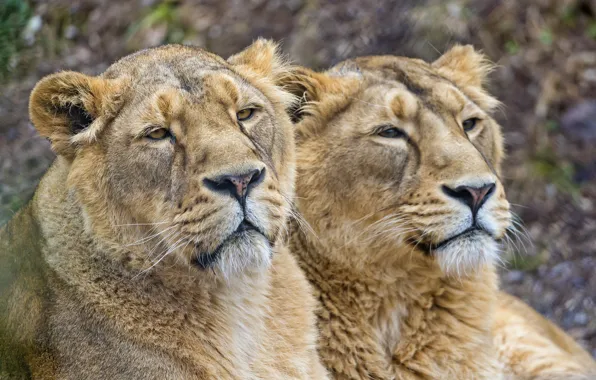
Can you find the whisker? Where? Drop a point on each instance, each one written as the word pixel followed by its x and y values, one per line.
pixel 518 205
pixel 176 245
pixel 303 224
pixel 142 224
pixel 148 238
pixel 517 221
pixel 370 104
pixel 165 238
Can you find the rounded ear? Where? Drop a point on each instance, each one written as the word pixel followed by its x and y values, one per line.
pixel 468 69
pixel 262 58
pixel 306 85
pixel 69 108
pixel 317 93
pixel 263 64
pixel 464 66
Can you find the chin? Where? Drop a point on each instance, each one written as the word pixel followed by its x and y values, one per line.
pixel 241 252
pixel 467 254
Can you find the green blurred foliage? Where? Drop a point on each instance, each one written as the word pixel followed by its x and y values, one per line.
pixel 569 16
pixel 512 47
pixel 524 262
pixel 591 30
pixel 14 15
pixel 553 170
pixel 165 14
pixel 551 125
pixel 546 37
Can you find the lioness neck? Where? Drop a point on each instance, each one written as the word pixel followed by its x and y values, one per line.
pixel 168 306
pixel 418 317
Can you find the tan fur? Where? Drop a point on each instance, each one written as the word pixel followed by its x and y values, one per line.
pixel 105 273
pixel 399 297
pixel 534 348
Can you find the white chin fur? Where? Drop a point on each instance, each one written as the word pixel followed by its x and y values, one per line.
pixel 252 251
pixel 465 256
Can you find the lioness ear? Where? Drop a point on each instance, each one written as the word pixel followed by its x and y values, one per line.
pixel 464 66
pixel 312 89
pixel 262 57
pixel 70 108
pixel 306 85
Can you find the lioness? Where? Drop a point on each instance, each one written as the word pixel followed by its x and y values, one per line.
pixel 151 249
pixel 398 168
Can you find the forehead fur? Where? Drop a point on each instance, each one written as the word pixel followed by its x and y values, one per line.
pixel 401 103
pixel 437 86
pixel 183 67
pixel 179 58
pixel 447 85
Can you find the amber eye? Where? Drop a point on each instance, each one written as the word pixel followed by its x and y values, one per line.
pixel 159 134
pixel 245 114
pixel 391 133
pixel 470 124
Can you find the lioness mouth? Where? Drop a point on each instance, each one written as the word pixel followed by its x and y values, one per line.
pixel 207 259
pixel 245 226
pixel 428 248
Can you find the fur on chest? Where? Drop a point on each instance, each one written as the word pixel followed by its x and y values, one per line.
pixel 216 330
pixel 432 329
pixel 446 333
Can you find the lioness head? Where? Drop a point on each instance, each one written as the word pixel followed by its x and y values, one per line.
pixel 177 154
pixel 398 155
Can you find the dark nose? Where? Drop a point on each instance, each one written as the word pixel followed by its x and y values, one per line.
pixel 237 184
pixel 474 197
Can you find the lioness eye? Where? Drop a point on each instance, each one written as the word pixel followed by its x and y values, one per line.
pixel 245 114
pixel 470 124
pixel 392 133
pixel 159 134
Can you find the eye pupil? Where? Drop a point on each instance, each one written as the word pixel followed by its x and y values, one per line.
pixel 469 124
pixel 245 114
pixel 391 133
pixel 159 134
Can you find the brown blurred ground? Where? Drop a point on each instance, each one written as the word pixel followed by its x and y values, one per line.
pixel 546 78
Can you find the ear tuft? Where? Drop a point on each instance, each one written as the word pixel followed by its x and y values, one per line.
pixel 262 57
pixel 464 66
pixel 305 85
pixel 78 117
pixel 319 95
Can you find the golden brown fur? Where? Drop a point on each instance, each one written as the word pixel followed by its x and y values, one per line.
pixel 407 211
pixel 130 261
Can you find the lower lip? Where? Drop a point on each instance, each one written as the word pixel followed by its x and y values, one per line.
pixel 244 228
pixel 206 260
pixel 466 233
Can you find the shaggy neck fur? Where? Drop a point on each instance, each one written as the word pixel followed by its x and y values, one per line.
pixel 404 318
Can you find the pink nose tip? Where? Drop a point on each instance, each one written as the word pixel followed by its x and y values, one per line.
pixel 474 197
pixel 241 182
pixel 235 184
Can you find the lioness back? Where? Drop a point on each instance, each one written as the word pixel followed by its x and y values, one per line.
pixel 153 247
pixel 533 347
pixel 398 174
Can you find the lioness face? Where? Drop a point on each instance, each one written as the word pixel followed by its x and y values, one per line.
pixel 177 153
pixel 400 153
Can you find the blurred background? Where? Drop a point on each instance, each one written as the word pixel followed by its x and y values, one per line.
pixel 546 78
